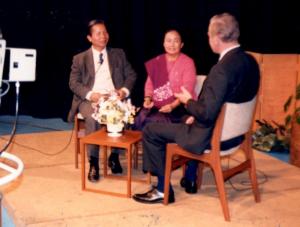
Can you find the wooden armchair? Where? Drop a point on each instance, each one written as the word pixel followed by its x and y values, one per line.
pixel 234 120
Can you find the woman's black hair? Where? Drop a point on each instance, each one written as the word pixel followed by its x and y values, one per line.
pixel 175 30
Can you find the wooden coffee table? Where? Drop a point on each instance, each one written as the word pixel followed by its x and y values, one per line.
pixel 126 141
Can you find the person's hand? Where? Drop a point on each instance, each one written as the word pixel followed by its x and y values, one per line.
pixel 148 104
pixel 95 96
pixel 105 94
pixel 190 120
pixel 121 94
pixel 184 96
pixel 166 108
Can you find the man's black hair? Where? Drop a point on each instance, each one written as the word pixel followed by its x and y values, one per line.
pixel 92 23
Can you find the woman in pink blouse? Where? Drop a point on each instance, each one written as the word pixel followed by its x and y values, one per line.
pixel 166 74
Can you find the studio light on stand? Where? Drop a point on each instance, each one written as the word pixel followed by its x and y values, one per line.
pixel 19 65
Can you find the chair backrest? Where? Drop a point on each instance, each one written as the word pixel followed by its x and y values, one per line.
pixel 232 127
pixel 244 113
pixel 238 119
pixel 199 83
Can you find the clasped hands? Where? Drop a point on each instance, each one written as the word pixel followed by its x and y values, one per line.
pixel 148 104
pixel 95 96
pixel 183 97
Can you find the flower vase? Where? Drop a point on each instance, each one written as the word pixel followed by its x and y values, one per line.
pixel 114 130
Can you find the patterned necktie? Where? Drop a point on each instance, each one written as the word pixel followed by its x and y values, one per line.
pixel 101 59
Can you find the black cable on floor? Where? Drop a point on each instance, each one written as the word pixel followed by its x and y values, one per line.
pixel 42 152
pixel 13 132
pixel 12 135
pixel 247 182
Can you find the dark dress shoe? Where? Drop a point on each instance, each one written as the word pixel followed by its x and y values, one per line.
pixel 153 196
pixel 114 164
pixel 93 174
pixel 190 186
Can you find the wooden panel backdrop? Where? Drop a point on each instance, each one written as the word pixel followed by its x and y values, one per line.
pixel 280 73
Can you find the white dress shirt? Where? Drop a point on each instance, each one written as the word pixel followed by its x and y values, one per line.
pixel 227 50
pixel 103 82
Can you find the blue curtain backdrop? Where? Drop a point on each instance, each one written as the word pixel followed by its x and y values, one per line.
pixel 57 30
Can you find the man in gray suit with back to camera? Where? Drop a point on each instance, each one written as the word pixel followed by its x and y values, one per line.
pixel 94 72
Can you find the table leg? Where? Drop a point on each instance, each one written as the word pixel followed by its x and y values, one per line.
pixel 104 148
pixel 129 160
pixel 135 155
pixel 82 151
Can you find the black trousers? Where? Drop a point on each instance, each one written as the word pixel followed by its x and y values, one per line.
pixel 155 138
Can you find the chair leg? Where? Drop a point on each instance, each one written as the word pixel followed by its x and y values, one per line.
pixel 252 170
pixel 104 150
pixel 221 189
pixel 76 151
pixel 135 155
pixel 168 170
pixel 200 174
pixel 253 178
pixel 77 127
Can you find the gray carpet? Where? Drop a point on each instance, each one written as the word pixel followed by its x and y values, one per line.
pixel 28 124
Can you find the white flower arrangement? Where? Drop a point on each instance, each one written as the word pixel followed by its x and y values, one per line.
pixel 114 111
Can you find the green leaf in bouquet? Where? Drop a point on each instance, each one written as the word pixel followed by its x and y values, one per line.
pixel 287 103
pixel 288 119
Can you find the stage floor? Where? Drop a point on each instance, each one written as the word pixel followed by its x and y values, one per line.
pixel 49 193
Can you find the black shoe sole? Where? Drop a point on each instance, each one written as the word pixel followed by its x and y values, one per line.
pixel 93 180
pixel 115 170
pixel 161 200
pixel 182 182
pixel 188 189
pixel 191 191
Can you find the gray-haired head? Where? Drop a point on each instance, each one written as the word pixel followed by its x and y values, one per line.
pixel 225 26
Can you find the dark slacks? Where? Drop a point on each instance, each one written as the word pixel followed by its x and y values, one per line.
pixel 91 125
pixel 155 138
